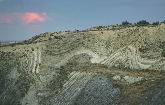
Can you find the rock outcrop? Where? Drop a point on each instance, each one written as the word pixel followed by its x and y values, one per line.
pixel 122 66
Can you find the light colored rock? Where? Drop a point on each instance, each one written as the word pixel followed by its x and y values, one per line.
pixel 131 79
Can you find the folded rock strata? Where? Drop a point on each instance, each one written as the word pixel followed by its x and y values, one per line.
pixel 123 66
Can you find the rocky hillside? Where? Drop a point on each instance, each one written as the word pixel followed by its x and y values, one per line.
pixel 112 65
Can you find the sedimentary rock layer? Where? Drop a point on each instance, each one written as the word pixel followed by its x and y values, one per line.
pixel 98 67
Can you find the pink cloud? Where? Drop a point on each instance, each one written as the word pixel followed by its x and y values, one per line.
pixel 31 17
pixel 26 18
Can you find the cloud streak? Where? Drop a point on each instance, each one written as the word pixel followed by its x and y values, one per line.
pixel 25 18
pixel 5 21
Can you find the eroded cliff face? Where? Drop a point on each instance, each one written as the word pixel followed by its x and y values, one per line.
pixel 95 67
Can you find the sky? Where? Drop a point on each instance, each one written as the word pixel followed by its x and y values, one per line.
pixel 23 19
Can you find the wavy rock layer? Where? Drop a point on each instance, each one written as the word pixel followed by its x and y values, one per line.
pixel 124 66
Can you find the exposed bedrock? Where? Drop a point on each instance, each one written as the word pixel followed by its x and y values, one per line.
pixel 121 67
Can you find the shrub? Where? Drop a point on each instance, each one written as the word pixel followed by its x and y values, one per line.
pixel 155 23
pixel 57 37
pixel 49 38
pixel 143 23
pixel 126 23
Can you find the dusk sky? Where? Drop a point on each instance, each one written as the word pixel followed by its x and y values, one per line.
pixel 23 19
